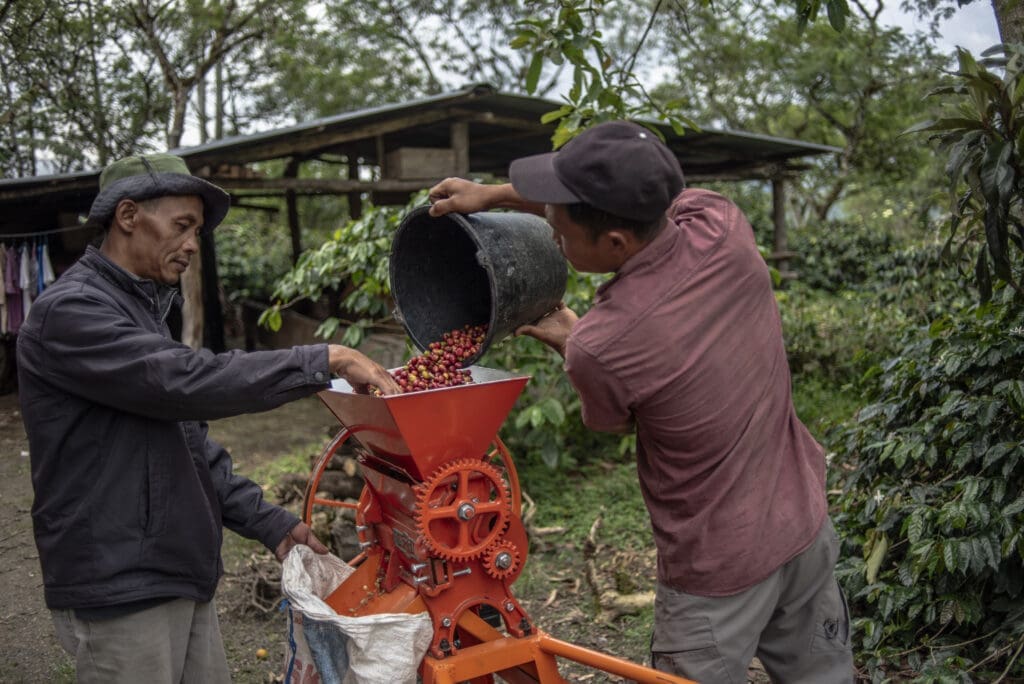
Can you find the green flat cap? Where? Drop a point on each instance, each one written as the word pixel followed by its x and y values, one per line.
pixel 155 175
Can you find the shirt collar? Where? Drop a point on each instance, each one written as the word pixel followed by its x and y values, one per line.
pixel 651 253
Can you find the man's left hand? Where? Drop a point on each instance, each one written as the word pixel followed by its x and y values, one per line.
pixel 300 534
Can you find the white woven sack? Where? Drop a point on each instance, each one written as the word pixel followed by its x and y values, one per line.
pixel 374 649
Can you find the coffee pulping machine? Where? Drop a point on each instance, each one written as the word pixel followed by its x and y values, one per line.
pixel 439 518
pixel 440 528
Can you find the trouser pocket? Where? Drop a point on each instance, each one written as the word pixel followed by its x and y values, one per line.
pixel 686 646
pixel 831 621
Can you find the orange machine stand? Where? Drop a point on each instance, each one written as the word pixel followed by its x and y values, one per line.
pixel 523 660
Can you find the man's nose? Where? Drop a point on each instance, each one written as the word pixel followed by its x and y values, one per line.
pixel 191 244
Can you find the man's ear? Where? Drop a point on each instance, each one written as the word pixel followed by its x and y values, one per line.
pixel 125 214
pixel 620 240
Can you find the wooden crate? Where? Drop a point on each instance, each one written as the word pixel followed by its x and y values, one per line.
pixel 408 163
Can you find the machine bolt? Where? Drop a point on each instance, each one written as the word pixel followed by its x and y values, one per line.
pixel 420 580
pixel 416 567
pixel 366 544
pixel 509 606
pixel 464 571
pixel 503 560
pixel 362 528
pixel 466 511
pixel 446 622
pixel 444 645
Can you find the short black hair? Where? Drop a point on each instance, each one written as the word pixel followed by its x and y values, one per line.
pixel 597 221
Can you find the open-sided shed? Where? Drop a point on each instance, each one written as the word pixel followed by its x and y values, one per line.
pixel 385 153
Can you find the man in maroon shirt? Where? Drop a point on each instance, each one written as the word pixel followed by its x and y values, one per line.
pixel 684 345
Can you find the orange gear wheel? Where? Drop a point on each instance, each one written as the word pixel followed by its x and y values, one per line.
pixel 462 509
pixel 502 560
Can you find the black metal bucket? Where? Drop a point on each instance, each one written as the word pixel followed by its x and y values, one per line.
pixel 494 268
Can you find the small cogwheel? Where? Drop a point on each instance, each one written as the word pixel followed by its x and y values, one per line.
pixel 502 560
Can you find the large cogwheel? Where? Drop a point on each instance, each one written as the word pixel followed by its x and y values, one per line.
pixel 502 560
pixel 463 508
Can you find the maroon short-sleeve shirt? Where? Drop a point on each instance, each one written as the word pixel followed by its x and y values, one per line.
pixel 686 341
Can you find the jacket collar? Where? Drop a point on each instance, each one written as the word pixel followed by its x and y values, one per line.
pixel 159 297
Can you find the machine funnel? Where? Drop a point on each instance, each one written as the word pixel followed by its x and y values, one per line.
pixel 416 433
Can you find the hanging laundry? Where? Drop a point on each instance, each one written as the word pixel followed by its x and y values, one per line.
pixel 26 277
pixel 12 290
pixel 46 276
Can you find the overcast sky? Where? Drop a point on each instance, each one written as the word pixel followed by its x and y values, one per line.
pixel 972 27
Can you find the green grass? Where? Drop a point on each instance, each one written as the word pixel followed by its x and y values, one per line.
pixel 575 499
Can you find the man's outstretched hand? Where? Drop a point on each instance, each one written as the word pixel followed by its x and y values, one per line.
pixel 553 328
pixel 300 534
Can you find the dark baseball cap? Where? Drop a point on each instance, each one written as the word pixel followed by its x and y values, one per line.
pixel 619 167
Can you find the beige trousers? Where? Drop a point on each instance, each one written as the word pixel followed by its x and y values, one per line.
pixel 177 642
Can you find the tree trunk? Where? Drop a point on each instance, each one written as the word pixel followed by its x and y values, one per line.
pixel 218 103
pixel 1010 19
pixel 180 98
pixel 204 120
pixel 192 311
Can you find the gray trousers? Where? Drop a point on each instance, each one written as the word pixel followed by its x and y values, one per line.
pixel 796 622
pixel 177 642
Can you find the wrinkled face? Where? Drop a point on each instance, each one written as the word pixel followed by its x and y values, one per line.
pixel 166 237
pixel 585 254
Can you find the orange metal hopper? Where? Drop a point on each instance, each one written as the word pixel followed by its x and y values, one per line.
pixel 418 432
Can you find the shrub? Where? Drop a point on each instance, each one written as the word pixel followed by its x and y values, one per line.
pixel 931 509
pixel 250 258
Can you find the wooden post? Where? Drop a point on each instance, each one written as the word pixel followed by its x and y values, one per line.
pixel 213 313
pixel 381 154
pixel 355 198
pixel 460 145
pixel 780 243
pixel 291 201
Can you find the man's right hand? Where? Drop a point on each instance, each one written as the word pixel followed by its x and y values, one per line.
pixel 359 370
pixel 466 197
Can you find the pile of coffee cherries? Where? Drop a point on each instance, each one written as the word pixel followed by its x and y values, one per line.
pixel 440 365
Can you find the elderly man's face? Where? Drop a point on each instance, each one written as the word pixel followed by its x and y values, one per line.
pixel 166 236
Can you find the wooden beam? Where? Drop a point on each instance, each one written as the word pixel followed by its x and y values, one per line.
pixel 85 186
pixel 336 186
pixel 236 204
pixel 476 116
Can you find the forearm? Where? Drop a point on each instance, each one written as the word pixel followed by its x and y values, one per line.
pixel 505 197
pixel 243 508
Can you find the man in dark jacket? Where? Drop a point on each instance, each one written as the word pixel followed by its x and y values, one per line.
pixel 131 494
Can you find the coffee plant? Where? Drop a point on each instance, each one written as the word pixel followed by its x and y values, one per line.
pixel 354 263
pixel 932 503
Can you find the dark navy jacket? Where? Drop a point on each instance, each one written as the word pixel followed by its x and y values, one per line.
pixel 131 495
